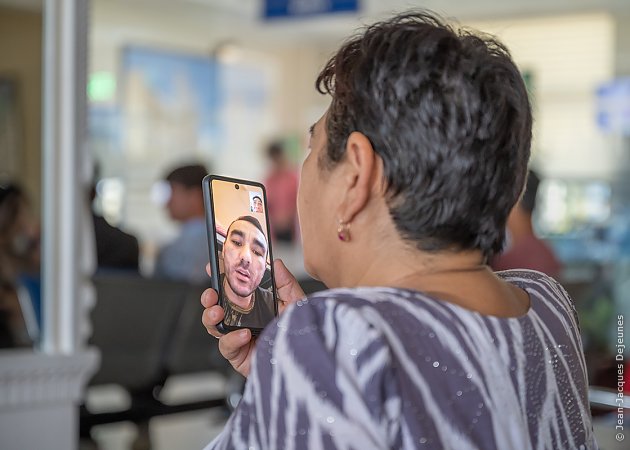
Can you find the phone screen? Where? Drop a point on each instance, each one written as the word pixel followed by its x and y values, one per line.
pixel 241 254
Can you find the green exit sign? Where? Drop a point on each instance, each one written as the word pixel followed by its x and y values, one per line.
pixel 101 87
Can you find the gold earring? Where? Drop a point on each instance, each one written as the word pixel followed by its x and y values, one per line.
pixel 343 231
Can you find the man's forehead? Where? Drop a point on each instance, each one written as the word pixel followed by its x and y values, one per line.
pixel 246 227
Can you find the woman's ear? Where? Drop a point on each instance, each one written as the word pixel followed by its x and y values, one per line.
pixel 362 173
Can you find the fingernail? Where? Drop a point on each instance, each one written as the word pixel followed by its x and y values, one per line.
pixel 244 333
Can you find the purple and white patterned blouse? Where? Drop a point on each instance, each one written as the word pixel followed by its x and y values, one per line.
pixel 385 368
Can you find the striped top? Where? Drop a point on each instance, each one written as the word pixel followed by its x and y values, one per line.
pixel 385 368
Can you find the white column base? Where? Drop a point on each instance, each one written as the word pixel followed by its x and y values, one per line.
pixel 39 396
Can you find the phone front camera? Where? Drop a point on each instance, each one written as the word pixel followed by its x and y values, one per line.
pixel 236 186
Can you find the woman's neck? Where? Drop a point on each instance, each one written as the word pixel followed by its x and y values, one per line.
pixel 461 278
pixel 408 266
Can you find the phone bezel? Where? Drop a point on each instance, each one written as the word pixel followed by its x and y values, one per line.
pixel 212 245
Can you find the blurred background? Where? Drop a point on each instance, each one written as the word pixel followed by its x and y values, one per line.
pixel 217 84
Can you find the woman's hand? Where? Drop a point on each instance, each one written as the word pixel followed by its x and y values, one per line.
pixel 238 346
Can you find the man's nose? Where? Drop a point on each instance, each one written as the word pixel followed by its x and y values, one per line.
pixel 246 255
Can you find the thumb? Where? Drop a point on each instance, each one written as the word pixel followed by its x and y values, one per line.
pixel 288 288
pixel 282 275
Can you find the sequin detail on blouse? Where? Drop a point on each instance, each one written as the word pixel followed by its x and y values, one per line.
pixel 384 368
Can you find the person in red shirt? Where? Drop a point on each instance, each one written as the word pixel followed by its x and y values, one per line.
pixel 281 185
pixel 524 249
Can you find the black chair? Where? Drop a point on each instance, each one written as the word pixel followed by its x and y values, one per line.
pixel 191 348
pixel 133 320
pixel 136 326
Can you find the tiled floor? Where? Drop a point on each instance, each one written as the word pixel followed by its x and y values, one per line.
pixel 195 429
pixel 191 430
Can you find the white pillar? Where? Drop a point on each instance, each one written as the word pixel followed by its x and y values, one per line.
pixel 40 392
pixel 64 185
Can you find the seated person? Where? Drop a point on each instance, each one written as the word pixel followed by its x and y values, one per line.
pixel 524 249
pixel 282 185
pixel 19 269
pixel 115 249
pixel 185 257
pixel 245 250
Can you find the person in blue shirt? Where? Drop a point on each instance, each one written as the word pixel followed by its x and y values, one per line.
pixel 185 257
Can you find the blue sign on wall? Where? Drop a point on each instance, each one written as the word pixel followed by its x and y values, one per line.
pixel 613 106
pixel 300 8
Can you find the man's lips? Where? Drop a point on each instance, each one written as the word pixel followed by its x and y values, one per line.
pixel 243 273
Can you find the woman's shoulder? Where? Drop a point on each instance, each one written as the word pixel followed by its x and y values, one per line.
pixel 379 305
pixel 358 300
pixel 534 282
pixel 363 295
pixel 336 305
pixel 544 291
pixel 351 314
pixel 335 311
pixel 526 276
pixel 333 331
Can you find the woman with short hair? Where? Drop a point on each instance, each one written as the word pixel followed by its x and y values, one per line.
pixel 410 177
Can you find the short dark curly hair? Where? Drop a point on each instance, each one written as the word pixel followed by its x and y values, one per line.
pixel 448 112
pixel 189 176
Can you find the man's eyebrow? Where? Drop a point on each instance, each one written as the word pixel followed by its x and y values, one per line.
pixel 311 129
pixel 258 242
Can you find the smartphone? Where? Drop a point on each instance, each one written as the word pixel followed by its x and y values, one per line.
pixel 240 252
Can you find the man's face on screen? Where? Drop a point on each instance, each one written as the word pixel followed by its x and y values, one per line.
pixel 244 257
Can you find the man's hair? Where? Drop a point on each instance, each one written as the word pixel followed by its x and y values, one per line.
pixel 448 113
pixel 12 199
pixel 528 201
pixel 257 196
pixel 275 150
pixel 249 219
pixel 189 176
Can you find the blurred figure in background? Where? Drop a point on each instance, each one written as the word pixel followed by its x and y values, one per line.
pixel 281 184
pixel 115 249
pixel 524 250
pixel 19 269
pixel 186 257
